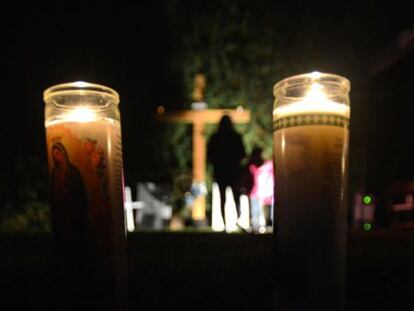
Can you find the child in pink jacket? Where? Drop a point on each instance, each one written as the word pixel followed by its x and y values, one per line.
pixel 261 194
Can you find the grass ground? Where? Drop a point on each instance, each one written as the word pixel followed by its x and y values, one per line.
pixel 215 271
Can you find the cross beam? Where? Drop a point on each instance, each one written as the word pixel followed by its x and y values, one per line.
pixel 199 118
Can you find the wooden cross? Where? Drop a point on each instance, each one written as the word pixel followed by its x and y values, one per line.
pixel 199 118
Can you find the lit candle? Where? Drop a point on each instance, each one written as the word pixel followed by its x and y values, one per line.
pixel 311 117
pixel 86 185
pixel 315 102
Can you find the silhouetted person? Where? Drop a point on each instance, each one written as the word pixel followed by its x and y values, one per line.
pixel 225 151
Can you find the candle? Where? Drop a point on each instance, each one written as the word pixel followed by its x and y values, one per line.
pixel 311 117
pixel 84 149
pixel 315 102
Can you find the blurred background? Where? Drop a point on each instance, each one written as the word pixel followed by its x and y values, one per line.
pixel 150 53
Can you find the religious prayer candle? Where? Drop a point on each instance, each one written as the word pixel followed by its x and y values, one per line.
pixel 310 120
pixel 84 150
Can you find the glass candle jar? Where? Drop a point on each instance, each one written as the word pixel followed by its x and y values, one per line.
pixel 310 122
pixel 84 150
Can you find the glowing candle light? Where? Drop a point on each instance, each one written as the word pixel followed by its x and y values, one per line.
pixel 311 117
pixel 84 149
pixel 81 114
pixel 314 102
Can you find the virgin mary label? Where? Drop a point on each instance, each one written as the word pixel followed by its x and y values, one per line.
pixel 84 150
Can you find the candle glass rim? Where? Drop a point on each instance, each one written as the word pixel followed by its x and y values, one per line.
pixel 311 77
pixel 82 88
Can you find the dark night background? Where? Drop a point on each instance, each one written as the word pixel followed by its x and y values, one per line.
pixel 149 52
pixel 125 48
pixel 132 48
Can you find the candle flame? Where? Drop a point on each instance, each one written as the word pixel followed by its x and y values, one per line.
pixel 315 93
pixel 81 114
pixel 80 84
pixel 315 75
pixel 315 101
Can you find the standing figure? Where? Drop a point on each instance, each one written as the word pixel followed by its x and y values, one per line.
pixel 225 151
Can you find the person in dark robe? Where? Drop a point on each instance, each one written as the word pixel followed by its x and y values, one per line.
pixel 225 151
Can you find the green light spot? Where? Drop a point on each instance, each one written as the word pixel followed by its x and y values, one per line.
pixel 367 199
pixel 367 226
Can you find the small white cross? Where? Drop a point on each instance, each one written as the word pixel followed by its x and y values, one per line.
pixel 129 206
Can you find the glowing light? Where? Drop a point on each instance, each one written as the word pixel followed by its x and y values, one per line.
pixel 367 226
pixel 315 75
pixel 160 109
pixel 239 109
pixel 283 143
pixel 315 101
pixel 81 114
pixel 80 84
pixel 367 199
pixel 315 93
